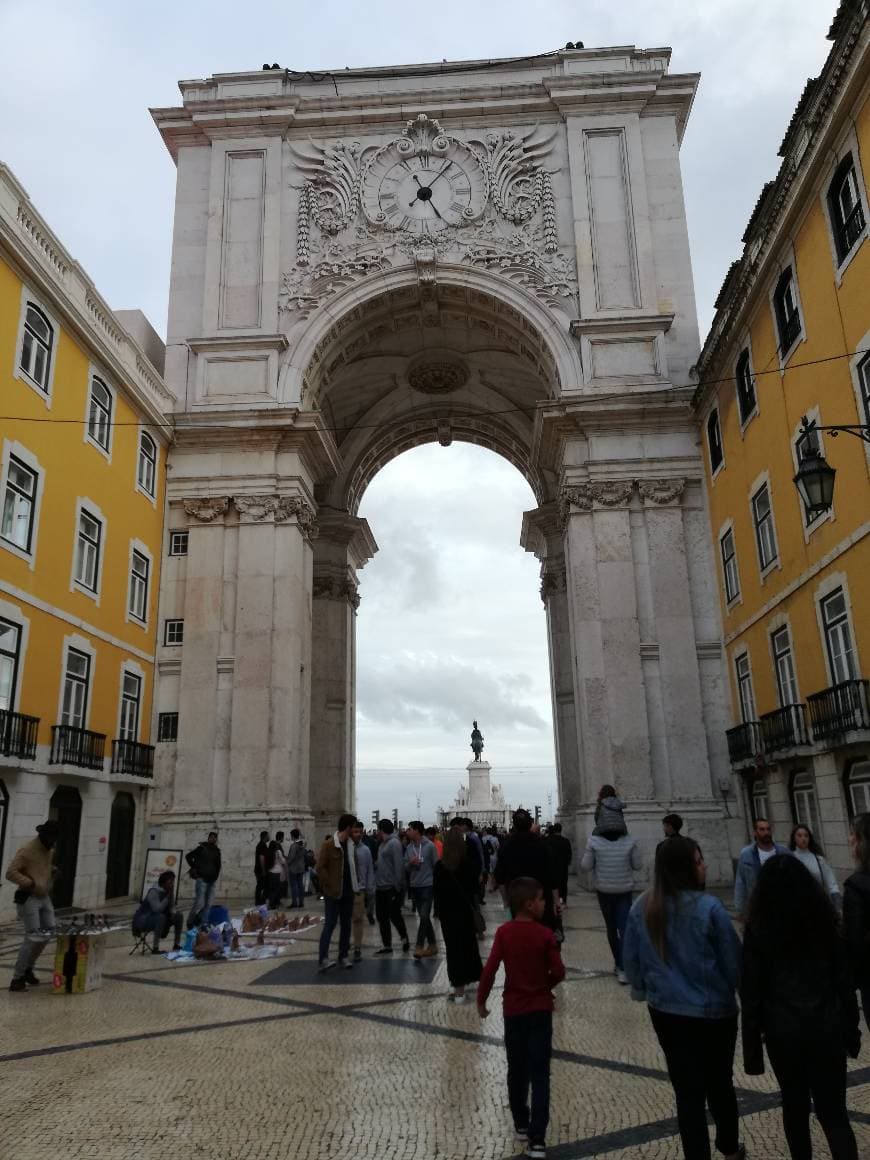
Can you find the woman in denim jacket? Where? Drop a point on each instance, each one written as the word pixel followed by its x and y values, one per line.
pixel 682 956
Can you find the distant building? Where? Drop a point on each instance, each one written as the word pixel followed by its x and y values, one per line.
pixel 791 338
pixel 82 477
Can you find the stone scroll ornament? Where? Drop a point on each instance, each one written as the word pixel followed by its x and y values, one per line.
pixel 206 509
pixel 487 202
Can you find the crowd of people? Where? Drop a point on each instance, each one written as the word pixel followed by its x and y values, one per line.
pixel 805 948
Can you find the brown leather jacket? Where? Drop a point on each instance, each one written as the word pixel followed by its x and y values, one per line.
pixel 330 867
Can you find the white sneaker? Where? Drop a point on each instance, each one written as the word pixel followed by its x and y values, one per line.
pixel 622 978
pixel 459 998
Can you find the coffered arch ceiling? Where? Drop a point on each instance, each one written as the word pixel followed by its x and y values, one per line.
pixel 426 362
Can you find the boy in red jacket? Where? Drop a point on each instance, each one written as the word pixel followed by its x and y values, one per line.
pixel 533 966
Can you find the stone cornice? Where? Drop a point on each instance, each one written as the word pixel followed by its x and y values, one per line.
pixel 279 102
pixel 624 324
pixel 239 342
pixel 44 263
pixel 352 531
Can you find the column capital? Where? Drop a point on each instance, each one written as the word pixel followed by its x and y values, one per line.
pixel 333 583
pixel 592 495
pixel 661 492
pixel 207 509
pixel 553 578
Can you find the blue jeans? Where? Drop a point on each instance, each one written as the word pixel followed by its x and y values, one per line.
pixel 528 1041
pixel 336 910
pixel 202 900
pixel 36 914
pixel 297 890
pixel 422 896
pixel 615 908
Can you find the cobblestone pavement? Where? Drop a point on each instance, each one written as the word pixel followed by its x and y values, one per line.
pixel 250 1060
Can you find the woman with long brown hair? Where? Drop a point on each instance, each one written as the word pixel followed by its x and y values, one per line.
pixel 682 956
pixel 456 882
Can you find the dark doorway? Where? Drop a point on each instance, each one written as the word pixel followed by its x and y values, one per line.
pixel 66 808
pixel 120 846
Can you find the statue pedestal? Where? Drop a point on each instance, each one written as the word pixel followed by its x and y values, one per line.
pixel 480 800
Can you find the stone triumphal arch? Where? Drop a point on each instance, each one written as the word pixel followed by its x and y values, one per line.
pixel 362 262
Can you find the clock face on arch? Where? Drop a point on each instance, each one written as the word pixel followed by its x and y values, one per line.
pixel 424 193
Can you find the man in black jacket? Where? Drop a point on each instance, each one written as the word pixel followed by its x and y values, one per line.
pixel 205 867
pixel 560 849
pixel 524 854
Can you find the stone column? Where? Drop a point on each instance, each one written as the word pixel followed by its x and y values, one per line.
pixel 603 610
pixel 344 545
pixel 271 665
pixel 192 789
pixel 543 534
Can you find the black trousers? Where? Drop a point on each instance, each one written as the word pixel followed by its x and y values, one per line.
pixel 388 910
pixel 700 1058
pixel 820 1075
pixel 261 890
pixel 528 1041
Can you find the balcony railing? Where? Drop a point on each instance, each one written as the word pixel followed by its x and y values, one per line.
pixel 744 742
pixel 73 746
pixel 839 709
pixel 784 728
pixel 132 759
pixel 18 735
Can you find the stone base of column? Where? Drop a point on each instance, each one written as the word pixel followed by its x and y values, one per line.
pixel 238 834
pixel 704 820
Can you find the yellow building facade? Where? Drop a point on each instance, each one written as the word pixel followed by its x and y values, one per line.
pixel 83 440
pixel 791 338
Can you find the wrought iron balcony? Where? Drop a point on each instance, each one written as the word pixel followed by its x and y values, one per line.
pixel 73 746
pixel 784 728
pixel 839 709
pixel 18 735
pixel 130 758
pixel 744 742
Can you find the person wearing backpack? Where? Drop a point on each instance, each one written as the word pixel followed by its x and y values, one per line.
pixel 296 861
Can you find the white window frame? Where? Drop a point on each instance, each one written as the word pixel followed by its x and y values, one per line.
pixel 811 527
pixel 807 793
pixel 826 588
pixel 714 411
pixel 13 450
pixel 759 795
pixel 858 774
pixel 849 144
pixel 151 496
pixel 130 668
pixel 828 628
pixel 743 654
pixel 95 374
pixel 179 532
pixel 142 549
pixel 83 504
pixel 14 615
pixel 787 262
pixel 746 348
pixel 172 622
pixel 45 393
pixel 763 480
pixel 83 645
pixel 727 529
pixel 774 630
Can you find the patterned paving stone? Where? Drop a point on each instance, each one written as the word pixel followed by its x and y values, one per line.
pixel 259 1060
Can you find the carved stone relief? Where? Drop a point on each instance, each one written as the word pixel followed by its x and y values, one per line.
pixel 335 585
pixel 509 227
pixel 208 508
pixel 661 491
pixel 553 578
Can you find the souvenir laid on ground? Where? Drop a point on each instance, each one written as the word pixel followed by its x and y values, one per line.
pixel 261 922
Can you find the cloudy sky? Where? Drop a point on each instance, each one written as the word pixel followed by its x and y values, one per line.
pixel 76 80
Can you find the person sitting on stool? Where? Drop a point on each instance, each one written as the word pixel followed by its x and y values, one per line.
pixel 155 913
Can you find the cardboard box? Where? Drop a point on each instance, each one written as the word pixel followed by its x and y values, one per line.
pixel 78 963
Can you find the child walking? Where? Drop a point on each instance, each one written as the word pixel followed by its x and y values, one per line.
pixel 533 966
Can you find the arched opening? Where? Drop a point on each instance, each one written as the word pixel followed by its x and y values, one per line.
pixel 65 808
pixel 450 628
pixel 120 853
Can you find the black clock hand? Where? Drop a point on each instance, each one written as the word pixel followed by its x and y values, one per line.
pixel 435 208
pixel 440 173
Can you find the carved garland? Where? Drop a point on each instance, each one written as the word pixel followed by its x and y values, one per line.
pixel 616 493
pixel 256 509
pixel 661 491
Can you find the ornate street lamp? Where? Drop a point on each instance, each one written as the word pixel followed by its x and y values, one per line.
pixel 815 476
